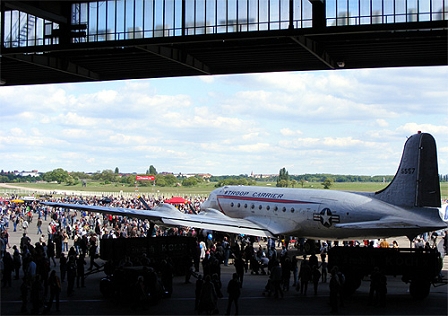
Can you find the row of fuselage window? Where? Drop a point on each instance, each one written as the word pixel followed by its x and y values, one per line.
pixel 260 207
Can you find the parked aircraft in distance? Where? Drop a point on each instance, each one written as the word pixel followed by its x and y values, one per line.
pixel 408 206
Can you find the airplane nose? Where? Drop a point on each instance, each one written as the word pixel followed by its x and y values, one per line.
pixel 210 202
pixel 205 205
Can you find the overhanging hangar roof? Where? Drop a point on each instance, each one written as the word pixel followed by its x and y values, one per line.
pixel 305 49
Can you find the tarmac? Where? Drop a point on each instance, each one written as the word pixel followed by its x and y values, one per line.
pixel 89 300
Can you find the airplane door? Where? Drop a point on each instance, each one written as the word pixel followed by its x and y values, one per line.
pixel 309 214
pixel 311 222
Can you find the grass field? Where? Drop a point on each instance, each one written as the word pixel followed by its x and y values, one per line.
pixel 203 189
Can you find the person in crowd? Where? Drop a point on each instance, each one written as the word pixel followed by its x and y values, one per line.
pixel 312 261
pixel 294 269
pixel 16 257
pixel 50 230
pixel 25 226
pixel 55 288
pixel 378 287
pixel 15 222
pixel 42 239
pixel 71 274
pixel 217 284
pixel 304 276
pixel 208 300
pixel 37 295
pixel 24 291
pixel 4 243
pixel 341 281
pixel 72 252
pixel 286 272
pixel 139 295
pixel 276 279
pixel 324 267
pixel 226 247
pixel 5 237
pixel 63 266
pixel 189 269
pixel 30 267
pixel 203 249
pixel 234 292
pixel 80 263
pixel 65 238
pixel 167 276
pixel 198 290
pixel 239 266
pixel 264 263
pixel 335 286
pixel 8 268
pixel 39 226
pixel 93 245
pixel 25 241
pixel 315 274
pixel 57 239
pixel 384 243
pixel 51 252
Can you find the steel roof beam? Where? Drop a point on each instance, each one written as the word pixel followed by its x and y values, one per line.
pixel 314 48
pixel 178 56
pixel 56 64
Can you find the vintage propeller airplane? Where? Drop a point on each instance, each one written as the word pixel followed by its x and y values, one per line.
pixel 408 206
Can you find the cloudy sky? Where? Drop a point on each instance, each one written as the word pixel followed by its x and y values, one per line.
pixel 339 122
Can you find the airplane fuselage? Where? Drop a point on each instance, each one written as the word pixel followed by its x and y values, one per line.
pixel 317 214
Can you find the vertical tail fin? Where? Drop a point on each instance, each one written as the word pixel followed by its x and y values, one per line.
pixel 416 182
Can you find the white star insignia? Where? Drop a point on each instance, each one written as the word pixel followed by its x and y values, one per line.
pixel 326 218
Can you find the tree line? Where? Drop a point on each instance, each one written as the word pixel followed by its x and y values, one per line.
pixel 108 176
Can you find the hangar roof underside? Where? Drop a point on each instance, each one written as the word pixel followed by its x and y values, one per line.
pixel 291 49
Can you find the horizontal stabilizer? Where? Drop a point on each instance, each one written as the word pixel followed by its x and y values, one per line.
pixel 390 223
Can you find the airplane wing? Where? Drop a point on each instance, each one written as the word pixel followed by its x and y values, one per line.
pixel 170 216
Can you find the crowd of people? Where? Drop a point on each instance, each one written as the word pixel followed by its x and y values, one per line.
pixel 65 245
pixel 69 240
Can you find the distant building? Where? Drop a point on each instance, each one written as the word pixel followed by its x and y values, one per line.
pixel 261 176
pixel 200 175
pixel 165 173
pixel 32 173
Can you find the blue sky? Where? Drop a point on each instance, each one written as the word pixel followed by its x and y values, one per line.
pixel 339 122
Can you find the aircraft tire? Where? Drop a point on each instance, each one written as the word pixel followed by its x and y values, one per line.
pixel 352 283
pixel 106 287
pixel 419 289
pixel 310 247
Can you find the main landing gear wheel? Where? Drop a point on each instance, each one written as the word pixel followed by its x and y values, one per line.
pixel 419 289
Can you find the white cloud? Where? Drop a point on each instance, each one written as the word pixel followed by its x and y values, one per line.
pixel 290 132
pixel 350 121
pixel 413 128
pixel 382 123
